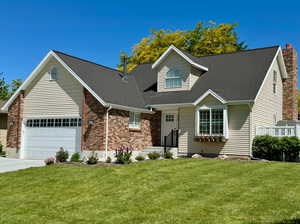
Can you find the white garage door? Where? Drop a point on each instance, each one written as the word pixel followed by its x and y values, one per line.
pixel 44 137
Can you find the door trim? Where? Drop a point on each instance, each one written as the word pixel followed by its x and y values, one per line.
pixel 163 113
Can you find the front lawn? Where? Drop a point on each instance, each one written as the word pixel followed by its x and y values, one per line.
pixel 173 191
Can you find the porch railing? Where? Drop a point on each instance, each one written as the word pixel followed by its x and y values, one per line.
pixel 171 140
pixel 278 131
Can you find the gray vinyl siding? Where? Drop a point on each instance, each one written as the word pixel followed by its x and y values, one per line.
pixel 176 61
pixel 239 132
pixel 268 105
pixel 53 98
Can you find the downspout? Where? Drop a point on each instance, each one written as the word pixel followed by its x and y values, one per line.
pixel 106 132
pixel 250 129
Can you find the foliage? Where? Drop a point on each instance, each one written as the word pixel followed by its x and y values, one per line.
pixel 3 153
pixel 168 155
pixel 108 160
pixel 273 148
pixel 75 157
pixel 92 159
pixel 140 158
pixel 6 89
pixel 298 96
pixel 202 40
pixel 123 156
pixel 62 155
pixel 49 161
pixel 153 155
pixel 1 148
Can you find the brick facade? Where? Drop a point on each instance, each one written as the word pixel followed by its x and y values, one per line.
pixel 94 125
pixel 290 85
pixel 15 118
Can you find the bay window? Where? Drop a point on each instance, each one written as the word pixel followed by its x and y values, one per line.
pixel 134 120
pixel 211 121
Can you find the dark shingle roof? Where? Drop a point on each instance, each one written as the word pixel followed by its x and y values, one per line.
pixel 106 82
pixel 234 76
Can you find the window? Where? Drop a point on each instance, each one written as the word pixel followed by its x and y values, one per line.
pixel 53 74
pixel 173 79
pixel 54 122
pixel 274 81
pixel 169 117
pixel 211 121
pixel 134 120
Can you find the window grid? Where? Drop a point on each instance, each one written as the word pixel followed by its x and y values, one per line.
pixel 204 122
pixel 217 122
pixel 54 122
pixel 211 122
pixel 274 81
pixel 169 117
pixel 134 120
pixel 173 79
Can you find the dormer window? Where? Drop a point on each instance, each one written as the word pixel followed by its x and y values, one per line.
pixel 174 78
pixel 274 81
pixel 53 74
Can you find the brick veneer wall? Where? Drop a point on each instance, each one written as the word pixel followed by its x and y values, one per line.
pixel 93 136
pixel 290 85
pixel 14 126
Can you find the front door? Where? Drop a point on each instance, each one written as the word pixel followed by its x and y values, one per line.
pixel 169 122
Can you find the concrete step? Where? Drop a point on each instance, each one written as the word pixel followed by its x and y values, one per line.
pixel 153 149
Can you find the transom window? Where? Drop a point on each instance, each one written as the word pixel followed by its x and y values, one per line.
pixel 134 120
pixel 211 122
pixel 53 74
pixel 53 122
pixel 169 117
pixel 174 78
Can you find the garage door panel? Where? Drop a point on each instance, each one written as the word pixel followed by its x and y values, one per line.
pixel 44 142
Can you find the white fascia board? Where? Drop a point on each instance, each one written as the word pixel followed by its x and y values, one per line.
pixel 209 92
pixel 173 48
pixel 282 68
pixel 131 109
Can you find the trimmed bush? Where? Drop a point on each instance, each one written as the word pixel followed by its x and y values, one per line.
pixel 278 149
pixel 123 156
pixel 153 155
pixel 168 155
pixel 140 158
pixel 62 155
pixel 75 157
pixel 93 159
pixel 108 160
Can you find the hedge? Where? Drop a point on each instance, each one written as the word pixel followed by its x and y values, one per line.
pixel 274 148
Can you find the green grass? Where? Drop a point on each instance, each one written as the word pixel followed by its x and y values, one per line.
pixel 174 191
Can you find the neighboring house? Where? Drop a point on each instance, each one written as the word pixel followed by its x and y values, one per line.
pixel 3 125
pixel 215 102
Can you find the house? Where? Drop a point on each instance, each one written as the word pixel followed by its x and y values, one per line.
pixel 3 124
pixel 213 104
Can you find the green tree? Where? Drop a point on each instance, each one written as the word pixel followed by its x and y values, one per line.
pixel 202 40
pixel 4 88
pixel 15 84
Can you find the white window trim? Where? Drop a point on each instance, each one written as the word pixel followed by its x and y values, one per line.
pixel 225 119
pixel 51 75
pixel 136 124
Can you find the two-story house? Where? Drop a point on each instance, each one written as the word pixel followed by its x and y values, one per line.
pixel 210 105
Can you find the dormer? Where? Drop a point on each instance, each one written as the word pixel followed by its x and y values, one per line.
pixel 176 70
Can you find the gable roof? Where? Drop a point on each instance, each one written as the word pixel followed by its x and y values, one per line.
pixel 189 58
pixel 234 76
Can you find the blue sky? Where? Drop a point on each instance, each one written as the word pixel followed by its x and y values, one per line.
pixel 100 30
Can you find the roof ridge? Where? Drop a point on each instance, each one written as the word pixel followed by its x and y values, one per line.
pixel 87 61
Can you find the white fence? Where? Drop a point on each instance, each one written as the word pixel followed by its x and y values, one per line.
pixel 279 131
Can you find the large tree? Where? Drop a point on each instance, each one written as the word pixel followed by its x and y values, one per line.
pixel 204 39
pixel 6 89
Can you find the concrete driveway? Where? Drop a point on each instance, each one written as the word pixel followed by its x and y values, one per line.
pixel 8 165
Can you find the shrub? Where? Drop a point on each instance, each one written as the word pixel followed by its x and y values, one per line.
pixel 153 155
pixel 93 159
pixel 1 148
pixel 75 157
pixel 273 148
pixel 140 158
pixel 108 160
pixel 168 155
pixel 49 161
pixel 62 155
pixel 123 156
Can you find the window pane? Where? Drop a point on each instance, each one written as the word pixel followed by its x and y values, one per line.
pixel 173 83
pixel 134 120
pixel 44 123
pixel 204 120
pixel 66 122
pixel 50 123
pixel 217 122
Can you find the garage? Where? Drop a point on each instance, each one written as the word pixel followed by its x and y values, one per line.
pixel 43 137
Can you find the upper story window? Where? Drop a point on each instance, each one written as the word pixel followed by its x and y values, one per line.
pixel 174 78
pixel 212 121
pixel 53 74
pixel 134 120
pixel 274 81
